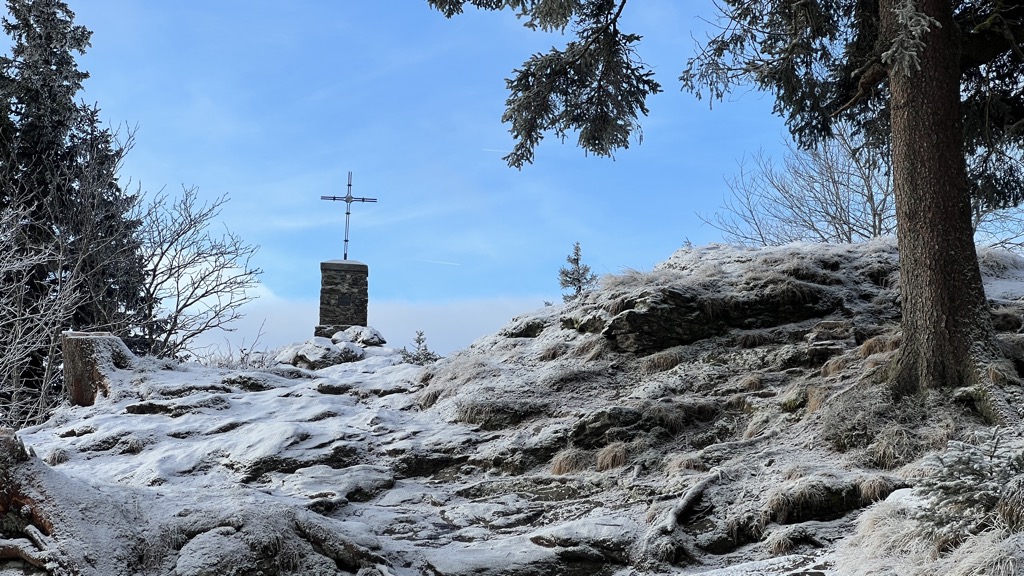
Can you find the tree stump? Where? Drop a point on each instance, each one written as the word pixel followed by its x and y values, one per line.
pixel 87 358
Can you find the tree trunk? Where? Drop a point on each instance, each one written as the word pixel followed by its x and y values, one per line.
pixel 946 324
pixel 87 358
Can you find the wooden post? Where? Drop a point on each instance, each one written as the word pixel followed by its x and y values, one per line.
pixel 87 355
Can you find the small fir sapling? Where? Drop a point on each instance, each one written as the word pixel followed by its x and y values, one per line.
pixel 972 489
pixel 420 355
pixel 576 276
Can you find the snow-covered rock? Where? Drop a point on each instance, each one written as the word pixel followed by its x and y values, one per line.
pixel 362 335
pixel 319 352
pixel 593 438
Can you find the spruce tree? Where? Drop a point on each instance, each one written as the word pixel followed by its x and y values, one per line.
pixel 59 169
pixel 577 276
pixel 939 80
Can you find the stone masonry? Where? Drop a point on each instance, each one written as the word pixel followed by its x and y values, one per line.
pixel 344 295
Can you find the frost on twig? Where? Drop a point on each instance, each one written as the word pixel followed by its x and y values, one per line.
pixel 913 25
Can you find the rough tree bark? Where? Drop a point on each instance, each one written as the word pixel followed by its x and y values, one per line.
pixel 946 326
pixel 87 356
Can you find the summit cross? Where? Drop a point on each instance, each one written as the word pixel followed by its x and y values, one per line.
pixel 348 199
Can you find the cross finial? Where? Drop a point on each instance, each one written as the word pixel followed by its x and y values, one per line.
pixel 348 199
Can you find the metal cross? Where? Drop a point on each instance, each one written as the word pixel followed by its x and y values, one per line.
pixel 348 199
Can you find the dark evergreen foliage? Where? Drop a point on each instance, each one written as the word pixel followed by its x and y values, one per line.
pixel 59 169
pixel 937 82
pixel 577 277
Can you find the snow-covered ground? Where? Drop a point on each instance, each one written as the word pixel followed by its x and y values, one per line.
pixel 714 416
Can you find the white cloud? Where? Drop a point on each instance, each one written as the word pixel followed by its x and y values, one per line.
pixel 448 325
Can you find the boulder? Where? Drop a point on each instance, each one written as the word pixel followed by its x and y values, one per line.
pixel 317 353
pixel 362 335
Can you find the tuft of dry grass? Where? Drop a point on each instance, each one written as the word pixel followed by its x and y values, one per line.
pixel 816 397
pixel 571 460
pixel 58 456
pixel 794 398
pixel 738 402
pixel 495 413
pixel 1001 372
pixel 445 379
pixel 875 487
pixel 676 463
pixel 755 338
pixel 668 415
pixel 590 348
pixel 880 344
pixel 611 456
pixel 1010 508
pixel 834 366
pixel 785 539
pixel 663 361
pixel 758 424
pixel 893 447
pixel 1007 319
pixel 133 445
pixel 794 472
pixel 616 306
pixel 810 498
pixel 553 352
pixel 752 382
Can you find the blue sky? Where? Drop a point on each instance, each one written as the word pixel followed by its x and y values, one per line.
pixel 273 103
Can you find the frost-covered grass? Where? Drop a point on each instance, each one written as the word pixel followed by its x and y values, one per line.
pixel 547 448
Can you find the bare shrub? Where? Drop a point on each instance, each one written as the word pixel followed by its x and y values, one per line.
pixel 611 456
pixel 197 281
pixel 571 460
pixel 242 357
pixel 837 192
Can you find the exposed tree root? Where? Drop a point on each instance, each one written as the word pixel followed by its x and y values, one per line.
pixel 22 549
pixel 71 528
pixel 688 500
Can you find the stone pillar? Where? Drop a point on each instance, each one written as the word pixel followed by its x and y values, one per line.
pixel 344 295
